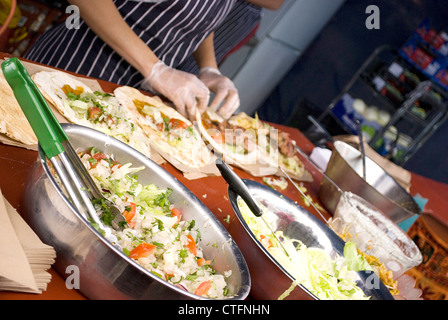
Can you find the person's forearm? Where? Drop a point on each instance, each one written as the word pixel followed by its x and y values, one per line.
pixel 205 53
pixel 113 30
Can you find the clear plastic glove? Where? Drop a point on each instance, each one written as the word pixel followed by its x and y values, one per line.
pixel 224 90
pixel 183 89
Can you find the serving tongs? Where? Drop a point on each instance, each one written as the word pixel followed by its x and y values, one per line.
pixel 54 142
pixel 238 185
pixel 361 144
pixel 343 193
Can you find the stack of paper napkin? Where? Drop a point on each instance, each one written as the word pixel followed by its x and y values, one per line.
pixel 24 259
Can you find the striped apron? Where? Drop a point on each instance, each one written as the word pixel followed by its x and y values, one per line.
pixel 173 29
pixel 235 29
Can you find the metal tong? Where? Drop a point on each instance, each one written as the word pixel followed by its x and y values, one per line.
pixel 361 144
pixel 54 142
pixel 238 185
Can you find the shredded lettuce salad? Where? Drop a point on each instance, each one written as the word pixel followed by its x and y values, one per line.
pixel 155 235
pixel 326 277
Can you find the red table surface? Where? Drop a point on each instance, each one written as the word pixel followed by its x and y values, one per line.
pixel 15 162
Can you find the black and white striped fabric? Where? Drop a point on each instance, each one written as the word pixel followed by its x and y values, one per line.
pixel 173 29
pixel 239 23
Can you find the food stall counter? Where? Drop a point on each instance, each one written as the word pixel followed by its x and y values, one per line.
pixel 16 162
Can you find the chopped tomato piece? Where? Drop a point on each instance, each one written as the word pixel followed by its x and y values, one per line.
pixel 131 224
pixel 191 245
pixel 160 126
pixel 94 113
pixel 202 261
pixel 266 241
pixel 142 251
pixel 97 157
pixel 203 288
pixel 176 213
pixel 177 124
pixel 115 164
pixel 216 135
pixel 109 118
pixel 129 214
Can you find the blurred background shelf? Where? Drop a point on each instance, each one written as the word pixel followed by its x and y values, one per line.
pixel 398 106
pixel 31 19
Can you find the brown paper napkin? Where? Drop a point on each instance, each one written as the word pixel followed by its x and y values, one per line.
pixel 24 259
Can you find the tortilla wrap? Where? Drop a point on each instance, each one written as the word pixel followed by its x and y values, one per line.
pixel 13 122
pixel 51 85
pixel 259 162
pixel 256 162
pixel 189 153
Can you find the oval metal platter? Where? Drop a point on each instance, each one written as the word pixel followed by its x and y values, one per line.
pixel 296 222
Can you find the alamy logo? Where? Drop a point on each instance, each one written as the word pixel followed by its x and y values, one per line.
pixel 72 21
pixel 372 281
pixel 373 20
pixel 72 280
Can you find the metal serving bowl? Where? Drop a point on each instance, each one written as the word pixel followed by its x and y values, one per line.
pixel 270 279
pixel 104 271
pixel 379 188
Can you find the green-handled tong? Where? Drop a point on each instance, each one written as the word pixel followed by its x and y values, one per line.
pixel 55 144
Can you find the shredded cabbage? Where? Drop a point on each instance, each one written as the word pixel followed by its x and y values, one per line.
pixel 326 277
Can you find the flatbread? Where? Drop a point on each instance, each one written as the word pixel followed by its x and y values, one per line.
pixel 77 102
pixel 171 134
pixel 236 152
pixel 13 122
pixel 264 156
pixel 290 161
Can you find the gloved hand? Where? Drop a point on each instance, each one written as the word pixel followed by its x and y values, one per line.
pixel 183 89
pixel 224 90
